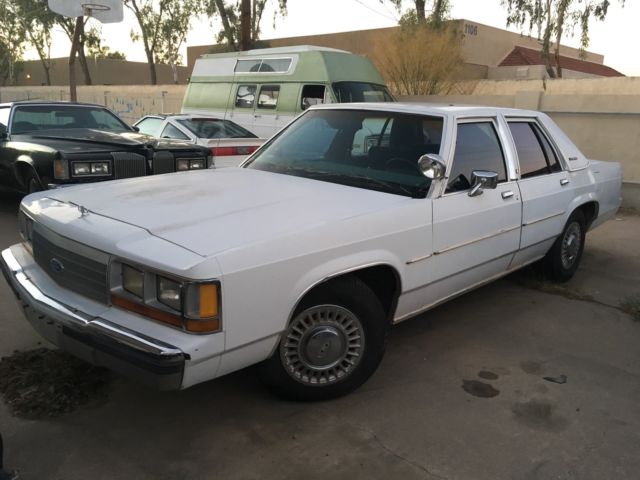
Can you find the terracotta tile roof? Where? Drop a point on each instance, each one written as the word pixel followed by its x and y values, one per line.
pixel 521 56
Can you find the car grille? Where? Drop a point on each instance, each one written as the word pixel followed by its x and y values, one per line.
pixel 129 165
pixel 163 162
pixel 71 270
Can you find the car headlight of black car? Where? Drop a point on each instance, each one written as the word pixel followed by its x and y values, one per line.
pixel 193 306
pixel 191 164
pixel 90 168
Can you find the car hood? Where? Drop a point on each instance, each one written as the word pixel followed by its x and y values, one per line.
pixel 211 211
pixel 88 139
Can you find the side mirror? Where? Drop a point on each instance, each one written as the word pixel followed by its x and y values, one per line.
pixel 3 132
pixel 135 129
pixel 432 166
pixel 481 179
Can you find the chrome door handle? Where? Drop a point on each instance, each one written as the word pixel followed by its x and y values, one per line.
pixel 564 182
pixel 507 194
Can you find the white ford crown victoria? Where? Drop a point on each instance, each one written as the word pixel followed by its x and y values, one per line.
pixel 351 219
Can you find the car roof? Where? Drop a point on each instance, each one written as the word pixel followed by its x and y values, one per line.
pixel 426 108
pixel 50 102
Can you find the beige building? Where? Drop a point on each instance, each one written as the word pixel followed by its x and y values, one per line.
pixel 103 71
pixel 485 49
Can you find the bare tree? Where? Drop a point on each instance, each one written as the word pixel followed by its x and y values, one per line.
pixel 438 12
pixel 411 69
pixel 553 18
pixel 241 21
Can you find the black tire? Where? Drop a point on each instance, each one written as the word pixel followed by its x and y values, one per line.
pixel 32 183
pixel 563 259
pixel 315 335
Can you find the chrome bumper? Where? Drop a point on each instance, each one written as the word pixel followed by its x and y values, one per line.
pixel 95 339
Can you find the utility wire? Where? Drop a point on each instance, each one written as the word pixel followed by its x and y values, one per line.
pixel 376 11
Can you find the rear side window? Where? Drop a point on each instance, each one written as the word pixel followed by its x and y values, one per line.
pixel 535 154
pixel 172 132
pixel 246 96
pixel 477 148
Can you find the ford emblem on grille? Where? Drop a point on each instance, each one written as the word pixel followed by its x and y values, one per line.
pixel 56 265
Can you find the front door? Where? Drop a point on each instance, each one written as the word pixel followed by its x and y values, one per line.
pixel 474 238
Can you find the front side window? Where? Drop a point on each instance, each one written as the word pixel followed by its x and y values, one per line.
pixel 374 150
pixel 246 96
pixel 477 148
pixel 150 126
pixel 535 154
pixel 268 97
pixel 29 118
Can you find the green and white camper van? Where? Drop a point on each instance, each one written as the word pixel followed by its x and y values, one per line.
pixel 265 89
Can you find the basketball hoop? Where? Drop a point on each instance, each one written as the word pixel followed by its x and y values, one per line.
pixel 105 11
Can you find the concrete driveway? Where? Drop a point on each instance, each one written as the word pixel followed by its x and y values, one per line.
pixel 412 420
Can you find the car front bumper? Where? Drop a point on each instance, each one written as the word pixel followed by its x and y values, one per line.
pixel 94 339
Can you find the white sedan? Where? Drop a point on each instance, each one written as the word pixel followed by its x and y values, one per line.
pixel 229 142
pixel 351 219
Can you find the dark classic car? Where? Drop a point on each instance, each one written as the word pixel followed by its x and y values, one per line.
pixel 47 144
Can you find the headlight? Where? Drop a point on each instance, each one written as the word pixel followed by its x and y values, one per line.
pixel 100 168
pixel 81 168
pixel 190 305
pixel 133 281
pixel 169 293
pixel 191 164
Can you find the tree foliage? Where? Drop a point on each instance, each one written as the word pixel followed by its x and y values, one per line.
pixel 89 39
pixel 438 12
pixel 412 69
pixel 38 20
pixel 230 17
pixel 163 26
pixel 554 18
pixel 12 42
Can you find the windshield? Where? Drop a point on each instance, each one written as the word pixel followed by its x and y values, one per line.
pixel 364 149
pixel 215 128
pixel 30 118
pixel 349 92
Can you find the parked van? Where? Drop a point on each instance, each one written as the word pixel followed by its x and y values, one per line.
pixel 263 90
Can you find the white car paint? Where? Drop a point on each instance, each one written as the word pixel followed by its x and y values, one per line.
pixel 270 238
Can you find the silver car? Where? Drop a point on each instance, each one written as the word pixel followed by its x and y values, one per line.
pixel 229 142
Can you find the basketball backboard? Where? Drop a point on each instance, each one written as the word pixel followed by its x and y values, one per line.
pixel 105 11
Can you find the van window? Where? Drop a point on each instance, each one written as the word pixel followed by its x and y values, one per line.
pixel 245 96
pixel 312 95
pixel 270 65
pixel 268 97
pixel 347 92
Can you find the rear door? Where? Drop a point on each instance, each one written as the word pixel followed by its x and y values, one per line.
pixel 266 111
pixel 474 238
pixel 244 105
pixel 544 185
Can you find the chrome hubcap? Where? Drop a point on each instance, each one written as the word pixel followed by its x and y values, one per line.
pixel 323 345
pixel 570 245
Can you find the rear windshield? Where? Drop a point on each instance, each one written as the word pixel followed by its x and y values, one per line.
pixel 348 92
pixel 214 128
pixel 31 118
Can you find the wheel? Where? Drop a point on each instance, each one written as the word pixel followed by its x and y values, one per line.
pixel 333 344
pixel 31 182
pixel 561 262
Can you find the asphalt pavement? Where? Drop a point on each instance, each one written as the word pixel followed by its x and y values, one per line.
pixel 460 394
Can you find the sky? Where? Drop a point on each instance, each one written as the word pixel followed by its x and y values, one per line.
pixel 615 38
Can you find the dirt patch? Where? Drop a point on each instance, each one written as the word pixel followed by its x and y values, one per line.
pixel 45 383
